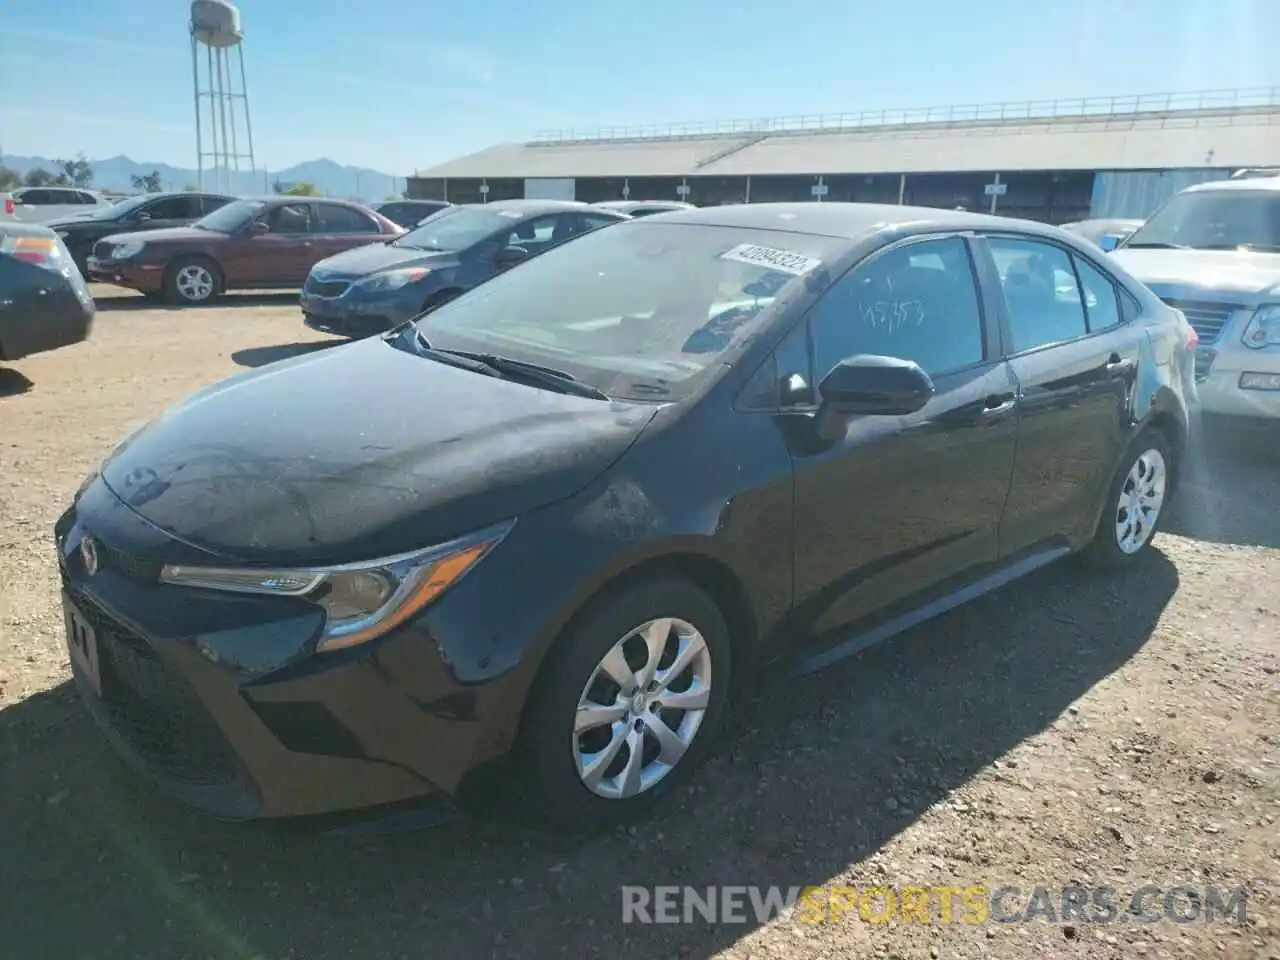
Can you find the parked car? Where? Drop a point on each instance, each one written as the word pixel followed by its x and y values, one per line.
pixel 151 211
pixel 555 521
pixel 248 245
pixel 410 213
pixel 368 291
pixel 1213 252
pixel 44 301
pixel 1107 234
pixel 41 204
pixel 643 208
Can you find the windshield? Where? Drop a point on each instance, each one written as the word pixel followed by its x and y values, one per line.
pixel 456 228
pixel 120 208
pixel 638 310
pixel 232 217
pixel 1215 220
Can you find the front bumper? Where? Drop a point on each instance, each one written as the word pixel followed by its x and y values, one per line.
pixel 1235 382
pixel 63 321
pixel 143 277
pixel 357 315
pixel 218 699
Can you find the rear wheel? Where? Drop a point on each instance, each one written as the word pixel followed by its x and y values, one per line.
pixel 192 280
pixel 1135 502
pixel 630 701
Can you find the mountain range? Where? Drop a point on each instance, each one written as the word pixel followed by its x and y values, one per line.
pixel 327 176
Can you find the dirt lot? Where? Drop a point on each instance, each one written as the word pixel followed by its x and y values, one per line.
pixel 1070 730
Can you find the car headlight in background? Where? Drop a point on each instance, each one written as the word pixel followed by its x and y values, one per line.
pixel 392 279
pixel 127 249
pixel 1264 329
pixel 361 601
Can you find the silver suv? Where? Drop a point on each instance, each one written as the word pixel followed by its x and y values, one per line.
pixel 1213 252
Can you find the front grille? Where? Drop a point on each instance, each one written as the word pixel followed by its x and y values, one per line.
pixel 1206 318
pixel 153 709
pixel 135 568
pixel 327 288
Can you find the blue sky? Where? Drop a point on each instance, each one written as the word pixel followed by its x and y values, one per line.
pixel 402 84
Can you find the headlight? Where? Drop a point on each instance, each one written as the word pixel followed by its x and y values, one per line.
pixel 361 601
pixel 123 251
pixel 392 279
pixel 1264 329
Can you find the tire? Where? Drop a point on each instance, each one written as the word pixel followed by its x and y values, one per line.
pixel 1148 452
pixel 183 280
pixel 552 753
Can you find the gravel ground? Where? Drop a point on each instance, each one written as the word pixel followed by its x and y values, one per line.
pixel 1072 729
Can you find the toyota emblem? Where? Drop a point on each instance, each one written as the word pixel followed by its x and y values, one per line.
pixel 89 554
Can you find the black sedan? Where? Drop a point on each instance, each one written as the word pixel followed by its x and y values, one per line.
pixel 643 208
pixel 410 213
pixel 151 211
pixel 44 301
pixel 547 529
pixel 370 290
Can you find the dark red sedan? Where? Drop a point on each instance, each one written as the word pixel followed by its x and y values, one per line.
pixel 246 245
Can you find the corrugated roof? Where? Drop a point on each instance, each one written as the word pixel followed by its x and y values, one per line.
pixel 1216 138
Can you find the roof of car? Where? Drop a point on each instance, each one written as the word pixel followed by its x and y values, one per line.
pixel 535 206
pixel 640 204
pixel 845 220
pixel 17 228
pixel 1257 184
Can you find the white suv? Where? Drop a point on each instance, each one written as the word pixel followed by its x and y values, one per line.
pixel 1213 252
pixel 38 204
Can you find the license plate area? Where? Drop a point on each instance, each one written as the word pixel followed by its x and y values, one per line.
pixel 82 644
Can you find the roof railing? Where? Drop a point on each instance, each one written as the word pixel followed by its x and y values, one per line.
pixel 1212 102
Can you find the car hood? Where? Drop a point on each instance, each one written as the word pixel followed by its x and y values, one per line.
pixel 169 234
pixel 362 261
pixel 358 452
pixel 1253 275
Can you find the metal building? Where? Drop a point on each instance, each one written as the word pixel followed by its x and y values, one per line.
pixel 1053 161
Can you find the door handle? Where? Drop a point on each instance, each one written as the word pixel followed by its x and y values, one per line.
pixel 998 405
pixel 1119 366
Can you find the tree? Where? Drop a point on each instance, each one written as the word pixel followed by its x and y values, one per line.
pixel 149 182
pixel 39 177
pixel 191 187
pixel 302 190
pixel 9 179
pixel 77 172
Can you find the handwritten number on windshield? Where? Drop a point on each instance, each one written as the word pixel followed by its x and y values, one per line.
pixel 894 315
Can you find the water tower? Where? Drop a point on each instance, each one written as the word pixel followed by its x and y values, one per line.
pixel 221 129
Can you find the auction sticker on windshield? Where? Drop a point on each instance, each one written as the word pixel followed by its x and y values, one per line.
pixel 787 261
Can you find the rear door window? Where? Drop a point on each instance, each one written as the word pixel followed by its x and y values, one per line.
pixel 1041 292
pixel 337 219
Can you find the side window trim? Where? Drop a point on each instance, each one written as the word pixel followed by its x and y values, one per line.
pixel 1126 314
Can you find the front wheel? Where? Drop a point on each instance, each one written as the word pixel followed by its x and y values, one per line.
pixel 192 281
pixel 629 702
pixel 1135 502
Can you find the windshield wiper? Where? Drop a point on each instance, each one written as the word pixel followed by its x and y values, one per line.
pixel 1155 245
pixel 511 369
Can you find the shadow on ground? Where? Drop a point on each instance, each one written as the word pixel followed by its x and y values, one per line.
pixel 120 300
pixel 261 356
pixel 13 383
pixel 817 775
pixel 1230 486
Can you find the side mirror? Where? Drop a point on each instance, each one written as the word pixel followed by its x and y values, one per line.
pixel 868 385
pixel 258 228
pixel 510 256
pixel 142 217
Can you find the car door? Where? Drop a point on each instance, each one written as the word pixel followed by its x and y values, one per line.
pixel 340 228
pixel 1075 362
pixel 279 257
pixel 898 505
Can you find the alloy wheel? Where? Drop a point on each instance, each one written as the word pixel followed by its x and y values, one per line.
pixel 1141 498
pixel 194 282
pixel 639 712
